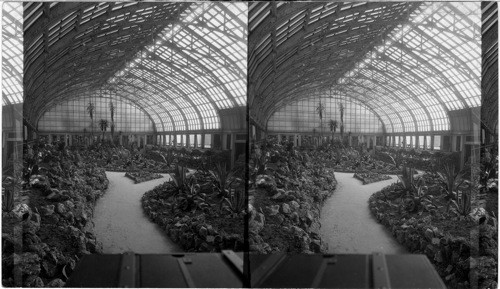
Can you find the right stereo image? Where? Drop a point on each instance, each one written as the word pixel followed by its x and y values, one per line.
pixel 373 131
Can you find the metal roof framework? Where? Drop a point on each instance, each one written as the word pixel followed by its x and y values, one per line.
pixel 410 62
pixel 180 62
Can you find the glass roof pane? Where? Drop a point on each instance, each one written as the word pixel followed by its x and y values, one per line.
pixel 12 52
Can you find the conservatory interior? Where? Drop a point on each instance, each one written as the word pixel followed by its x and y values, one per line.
pixel 368 133
pixel 124 129
pixel 248 133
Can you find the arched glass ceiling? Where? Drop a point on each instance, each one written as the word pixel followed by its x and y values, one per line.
pixel 409 62
pixel 183 61
pixel 12 53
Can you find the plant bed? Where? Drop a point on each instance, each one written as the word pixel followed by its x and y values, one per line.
pixel 370 177
pixel 196 215
pixel 462 245
pixel 287 190
pixel 139 177
pixel 50 226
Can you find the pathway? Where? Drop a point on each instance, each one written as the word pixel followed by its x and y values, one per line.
pixel 347 224
pixel 120 222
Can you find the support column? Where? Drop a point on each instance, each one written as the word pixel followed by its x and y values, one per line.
pixel 453 143
pixel 196 140
pixel 299 140
pixel 224 141
pixel 202 140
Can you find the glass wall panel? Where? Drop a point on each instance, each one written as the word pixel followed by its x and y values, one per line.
pixel 437 142
pixel 208 141
pixel 302 116
pixel 73 116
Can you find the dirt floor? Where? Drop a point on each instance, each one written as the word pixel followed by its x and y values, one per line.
pixel 347 224
pixel 120 222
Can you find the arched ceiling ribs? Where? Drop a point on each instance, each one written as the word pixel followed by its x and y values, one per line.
pixel 363 99
pixel 126 81
pixel 143 101
pixel 174 87
pixel 80 47
pixel 459 64
pixel 414 75
pixel 443 77
pixel 233 67
pixel 389 88
pixel 193 82
pixel 208 71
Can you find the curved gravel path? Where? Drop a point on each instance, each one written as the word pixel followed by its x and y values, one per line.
pixel 120 222
pixel 348 226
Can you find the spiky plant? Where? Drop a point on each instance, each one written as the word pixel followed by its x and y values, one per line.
pixel 320 109
pixel 103 124
pixel 333 127
pixel 90 110
pixel 451 179
pixel 112 112
pixel 222 178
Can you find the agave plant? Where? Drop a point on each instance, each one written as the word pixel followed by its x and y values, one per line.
pixel 407 179
pixel 235 203
pixel 463 204
pixel 451 179
pixel 187 199
pixel 179 178
pixel 222 178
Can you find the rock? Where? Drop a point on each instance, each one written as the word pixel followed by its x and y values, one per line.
pixel 40 249
pixel 266 182
pixel 203 232
pixel 54 195
pixel 33 281
pixel 315 246
pixel 49 268
pixel 28 263
pixel 295 217
pixel 478 213
pixel 69 204
pixel 47 210
pixel 429 234
pixel 256 223
pixel 21 211
pixel 56 283
pixel 285 209
pixel 31 227
pixel 295 205
pixel 272 210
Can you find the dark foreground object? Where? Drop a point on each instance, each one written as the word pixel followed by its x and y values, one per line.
pixel 212 270
pixel 343 271
pixel 208 270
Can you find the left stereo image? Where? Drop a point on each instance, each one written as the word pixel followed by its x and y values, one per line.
pixel 125 140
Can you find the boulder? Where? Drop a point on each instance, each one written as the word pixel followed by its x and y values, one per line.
pixel 27 263
pixel 47 210
pixel 33 281
pixel 272 210
pixel 256 223
pixel 294 205
pixel 56 283
pixel 21 211
pixel 285 209
pixel 60 208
